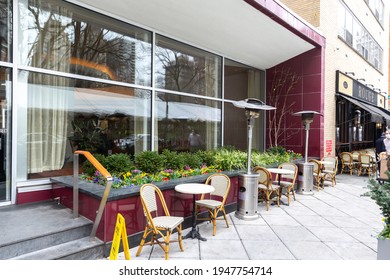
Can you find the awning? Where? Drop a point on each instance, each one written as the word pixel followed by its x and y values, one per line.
pixel 377 114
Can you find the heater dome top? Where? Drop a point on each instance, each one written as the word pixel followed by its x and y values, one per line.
pixel 252 104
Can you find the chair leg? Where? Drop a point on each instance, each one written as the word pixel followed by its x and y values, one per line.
pixel 267 199
pixel 224 216
pixel 141 245
pixel 214 221
pixel 166 240
pixel 180 237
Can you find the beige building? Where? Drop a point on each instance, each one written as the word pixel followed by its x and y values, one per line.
pixel 356 68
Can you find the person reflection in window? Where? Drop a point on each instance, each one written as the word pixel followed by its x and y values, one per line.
pixel 194 141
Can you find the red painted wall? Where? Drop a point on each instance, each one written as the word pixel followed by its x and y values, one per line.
pixel 307 94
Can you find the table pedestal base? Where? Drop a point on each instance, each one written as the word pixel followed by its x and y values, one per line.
pixel 194 233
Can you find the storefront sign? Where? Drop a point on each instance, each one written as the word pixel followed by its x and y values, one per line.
pixel 328 146
pixel 364 93
pixel 120 232
pixel 348 86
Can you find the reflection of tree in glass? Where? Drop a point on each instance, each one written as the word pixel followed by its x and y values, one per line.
pixel 5 25
pixel 185 73
pixel 84 45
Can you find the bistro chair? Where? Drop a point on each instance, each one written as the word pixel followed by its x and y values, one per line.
pixel 330 169
pixel 157 226
pixel 347 163
pixel 266 188
pixel 318 176
pixel 214 202
pixel 367 165
pixel 287 181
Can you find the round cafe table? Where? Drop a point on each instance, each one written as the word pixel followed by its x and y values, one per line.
pixel 280 171
pixel 194 189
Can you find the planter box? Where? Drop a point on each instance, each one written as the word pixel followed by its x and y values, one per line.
pixel 127 202
pixel 383 249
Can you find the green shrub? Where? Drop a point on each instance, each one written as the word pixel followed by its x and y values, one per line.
pixel 192 160
pixel 118 164
pixel 172 160
pixel 277 150
pixel 230 160
pixel 89 169
pixel 149 161
pixel 207 157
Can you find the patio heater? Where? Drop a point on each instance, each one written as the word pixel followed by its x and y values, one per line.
pixel 305 169
pixel 247 183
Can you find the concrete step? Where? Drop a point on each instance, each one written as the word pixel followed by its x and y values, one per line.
pixel 80 249
pixel 28 229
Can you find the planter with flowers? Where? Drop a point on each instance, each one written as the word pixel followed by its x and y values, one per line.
pixel 380 193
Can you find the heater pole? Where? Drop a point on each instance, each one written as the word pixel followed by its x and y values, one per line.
pixel 249 163
pixel 307 141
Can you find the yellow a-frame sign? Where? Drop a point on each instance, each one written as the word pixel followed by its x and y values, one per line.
pixel 120 231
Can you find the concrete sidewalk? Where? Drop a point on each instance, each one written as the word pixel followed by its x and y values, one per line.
pixel 333 224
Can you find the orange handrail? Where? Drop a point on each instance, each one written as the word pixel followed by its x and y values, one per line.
pixel 95 163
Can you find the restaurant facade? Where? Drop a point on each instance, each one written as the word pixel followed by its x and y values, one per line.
pixel 84 75
pixel 356 69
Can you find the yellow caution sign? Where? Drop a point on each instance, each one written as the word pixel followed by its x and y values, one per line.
pixel 120 232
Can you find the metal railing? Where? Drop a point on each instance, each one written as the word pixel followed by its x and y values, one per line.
pixel 104 173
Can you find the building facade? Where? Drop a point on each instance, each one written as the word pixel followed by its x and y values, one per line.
pixel 356 69
pixel 124 79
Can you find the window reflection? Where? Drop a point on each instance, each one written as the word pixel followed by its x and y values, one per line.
pixel 241 82
pixel 184 68
pixel 5 30
pixel 62 37
pixel 5 135
pixel 61 117
pixel 187 123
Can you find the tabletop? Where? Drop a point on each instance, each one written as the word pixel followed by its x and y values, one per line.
pixel 326 162
pixel 194 188
pixel 280 171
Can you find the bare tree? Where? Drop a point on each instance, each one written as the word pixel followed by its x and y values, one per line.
pixel 284 81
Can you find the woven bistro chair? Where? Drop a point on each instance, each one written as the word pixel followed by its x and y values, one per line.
pixel 214 202
pixel 265 187
pixel 330 170
pixel 287 181
pixel 157 226
pixel 367 165
pixel 347 163
pixel 318 176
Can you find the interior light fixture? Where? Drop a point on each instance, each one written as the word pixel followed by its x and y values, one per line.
pixel 350 73
pixel 361 79
pixel 370 85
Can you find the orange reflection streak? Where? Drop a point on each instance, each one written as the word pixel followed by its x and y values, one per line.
pixel 95 163
pixel 101 68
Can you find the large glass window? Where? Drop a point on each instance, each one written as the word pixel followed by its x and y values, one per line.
pixel 60 115
pixel 187 123
pixel 5 30
pixel 356 36
pixel 242 82
pixel 59 36
pixel 183 68
pixel 377 8
pixel 5 134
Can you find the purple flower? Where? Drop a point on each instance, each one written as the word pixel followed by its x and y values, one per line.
pixel 135 171
pixel 187 167
pixel 168 171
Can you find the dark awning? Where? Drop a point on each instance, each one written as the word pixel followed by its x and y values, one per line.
pixel 377 114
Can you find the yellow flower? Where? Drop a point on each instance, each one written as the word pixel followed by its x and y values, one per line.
pixel 383 219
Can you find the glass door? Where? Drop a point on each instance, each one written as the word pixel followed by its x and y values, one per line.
pixel 5 89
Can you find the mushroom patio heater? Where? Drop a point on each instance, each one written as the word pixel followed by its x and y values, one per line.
pixel 247 183
pixel 305 169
